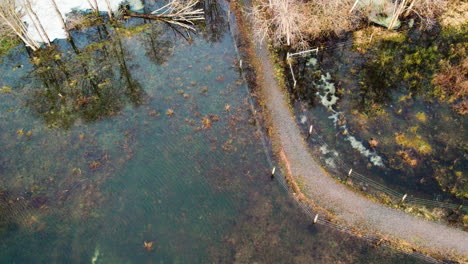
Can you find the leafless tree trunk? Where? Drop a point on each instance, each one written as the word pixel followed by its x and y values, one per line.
pixel 57 10
pixel 109 9
pixel 37 23
pixel 176 12
pixel 94 6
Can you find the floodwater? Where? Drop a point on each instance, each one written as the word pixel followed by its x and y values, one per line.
pixel 379 113
pixel 134 145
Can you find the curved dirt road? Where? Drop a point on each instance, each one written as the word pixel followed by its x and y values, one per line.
pixel 345 204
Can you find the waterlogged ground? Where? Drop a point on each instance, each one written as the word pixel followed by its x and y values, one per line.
pixel 136 146
pixel 378 102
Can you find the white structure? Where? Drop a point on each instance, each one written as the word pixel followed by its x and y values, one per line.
pixel 51 22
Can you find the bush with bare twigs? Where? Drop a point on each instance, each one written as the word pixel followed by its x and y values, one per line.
pixel 282 20
pixel 293 22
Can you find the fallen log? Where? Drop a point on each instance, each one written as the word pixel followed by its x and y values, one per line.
pixel 175 13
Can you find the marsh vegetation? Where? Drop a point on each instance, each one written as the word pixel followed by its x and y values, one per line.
pixel 396 98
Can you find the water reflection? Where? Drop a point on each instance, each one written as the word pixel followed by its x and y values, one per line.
pixel 90 84
pixel 215 20
pixel 159 50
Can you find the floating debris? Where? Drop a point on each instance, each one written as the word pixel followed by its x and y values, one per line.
pixel 170 112
pixel 96 255
pixel 148 246
pixel 5 89
pixel 373 143
pixel 206 123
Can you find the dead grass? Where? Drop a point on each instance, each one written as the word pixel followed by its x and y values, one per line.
pixel 294 22
pixel 453 81
pixel 281 20
pixel 429 9
pixel 456 15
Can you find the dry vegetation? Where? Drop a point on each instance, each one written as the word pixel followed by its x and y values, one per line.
pixel 294 22
pixel 8 39
pixel 10 17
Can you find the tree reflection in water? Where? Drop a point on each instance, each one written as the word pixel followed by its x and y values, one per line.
pixel 88 84
pixel 215 20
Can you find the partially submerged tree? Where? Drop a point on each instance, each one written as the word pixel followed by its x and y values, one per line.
pixel 62 20
pixel 177 12
pixel 36 22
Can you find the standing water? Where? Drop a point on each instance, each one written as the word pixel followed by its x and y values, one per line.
pixel 134 145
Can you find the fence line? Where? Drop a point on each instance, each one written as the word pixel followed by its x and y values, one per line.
pixel 393 194
pixel 380 187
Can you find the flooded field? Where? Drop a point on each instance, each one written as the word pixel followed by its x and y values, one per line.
pixel 133 144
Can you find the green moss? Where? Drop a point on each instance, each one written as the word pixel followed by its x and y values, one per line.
pixel 408 60
pixel 421 116
pixel 130 31
pixel 452 181
pixel 7 43
pixel 5 89
pixel 414 142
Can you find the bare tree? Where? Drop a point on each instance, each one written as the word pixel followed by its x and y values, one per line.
pixel 36 22
pixel 11 16
pixel 109 9
pixel 94 6
pixel 59 14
